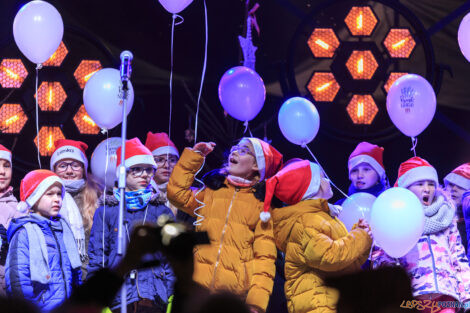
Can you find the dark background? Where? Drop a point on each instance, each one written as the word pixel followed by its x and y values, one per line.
pixel 102 29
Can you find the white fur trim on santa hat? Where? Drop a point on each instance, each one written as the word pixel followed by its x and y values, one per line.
pixel 166 150
pixel 364 158
pixel 265 216
pixel 416 174
pixel 315 181
pixel 5 155
pixel 42 188
pixel 140 159
pixel 68 152
pixel 259 156
pixel 458 180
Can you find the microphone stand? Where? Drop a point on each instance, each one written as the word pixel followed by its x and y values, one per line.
pixel 122 189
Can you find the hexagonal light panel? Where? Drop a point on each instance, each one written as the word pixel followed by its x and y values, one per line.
pixel 47 137
pixel 12 118
pixel 323 42
pixel 84 122
pixel 323 87
pixel 361 21
pixel 399 43
pixel 51 96
pixel 392 78
pixel 58 57
pixel 362 109
pixel 85 70
pixel 12 73
pixel 362 64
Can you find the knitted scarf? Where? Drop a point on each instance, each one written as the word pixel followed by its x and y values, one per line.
pixel 437 216
pixel 240 182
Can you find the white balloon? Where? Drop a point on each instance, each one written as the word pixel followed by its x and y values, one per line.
pixel 355 207
pixel 38 30
pixel 397 221
pixel 98 161
pixel 102 99
pixel 175 6
pixel 463 36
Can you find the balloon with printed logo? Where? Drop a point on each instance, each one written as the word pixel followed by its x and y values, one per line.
pixel 355 207
pixel 38 29
pixel 103 161
pixel 397 221
pixel 463 36
pixel 102 98
pixel 175 6
pixel 411 104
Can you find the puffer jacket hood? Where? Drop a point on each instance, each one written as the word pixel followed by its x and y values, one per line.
pixel 17 223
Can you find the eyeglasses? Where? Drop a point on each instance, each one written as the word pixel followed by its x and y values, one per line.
pixel 138 171
pixel 62 166
pixel 241 150
pixel 161 160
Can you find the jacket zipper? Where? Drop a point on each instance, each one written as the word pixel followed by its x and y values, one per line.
pixel 60 261
pixel 433 263
pixel 222 238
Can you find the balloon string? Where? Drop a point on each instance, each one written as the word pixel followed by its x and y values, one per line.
pixel 414 143
pixel 171 71
pixel 199 217
pixel 104 190
pixel 38 67
pixel 203 74
pixel 247 129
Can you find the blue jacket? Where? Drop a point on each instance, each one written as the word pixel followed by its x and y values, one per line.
pixel 154 283
pixel 375 190
pixel 17 271
pixel 466 215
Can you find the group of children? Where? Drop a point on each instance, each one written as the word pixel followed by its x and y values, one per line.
pixel 250 207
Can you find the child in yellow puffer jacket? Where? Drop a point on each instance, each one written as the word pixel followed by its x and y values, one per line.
pixel 316 244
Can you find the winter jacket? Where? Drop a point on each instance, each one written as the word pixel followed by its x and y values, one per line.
pixel 242 252
pixel 437 264
pixel 154 283
pixel 375 190
pixel 316 246
pixel 466 215
pixel 8 211
pixel 18 266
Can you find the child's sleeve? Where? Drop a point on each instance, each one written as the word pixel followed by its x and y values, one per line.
pixel 459 262
pixel 179 191
pixel 380 258
pixel 97 244
pixel 17 271
pixel 264 268
pixel 326 254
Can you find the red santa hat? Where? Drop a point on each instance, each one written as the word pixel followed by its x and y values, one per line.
pixel 268 159
pixel 136 153
pixel 460 176
pixel 5 154
pixel 69 149
pixel 160 143
pixel 34 185
pixel 368 153
pixel 298 181
pixel 414 170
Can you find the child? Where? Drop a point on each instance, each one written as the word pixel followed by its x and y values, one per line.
pixel 241 256
pixel 456 184
pixel 317 245
pixel 366 170
pixel 148 288
pixel 437 264
pixel 8 210
pixel 43 263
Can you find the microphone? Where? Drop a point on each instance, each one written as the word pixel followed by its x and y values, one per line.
pixel 126 69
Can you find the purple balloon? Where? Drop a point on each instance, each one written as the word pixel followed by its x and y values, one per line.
pixel 242 93
pixel 411 104
pixel 463 36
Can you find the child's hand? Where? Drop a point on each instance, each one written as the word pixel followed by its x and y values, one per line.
pixel 204 148
pixel 365 226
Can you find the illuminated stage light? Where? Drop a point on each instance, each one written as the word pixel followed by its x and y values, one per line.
pixel 399 43
pixel 362 109
pixel 361 21
pixel 362 64
pixel 392 78
pixel 323 42
pixel 12 118
pixel 47 136
pixel 85 70
pixel 51 96
pixel 84 122
pixel 323 87
pixel 58 57
pixel 12 73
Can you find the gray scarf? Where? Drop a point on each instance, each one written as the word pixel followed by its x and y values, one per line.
pixel 74 186
pixel 438 216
